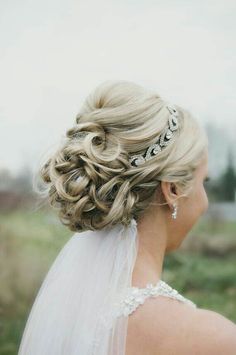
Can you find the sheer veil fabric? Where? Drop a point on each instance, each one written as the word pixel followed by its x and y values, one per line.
pixel 73 312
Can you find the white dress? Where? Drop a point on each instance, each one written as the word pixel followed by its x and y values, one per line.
pixel 135 296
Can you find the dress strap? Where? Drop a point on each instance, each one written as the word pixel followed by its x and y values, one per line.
pixel 136 296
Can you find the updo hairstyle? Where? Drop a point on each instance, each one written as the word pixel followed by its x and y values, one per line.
pixel 89 180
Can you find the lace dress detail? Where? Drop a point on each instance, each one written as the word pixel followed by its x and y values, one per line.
pixel 136 296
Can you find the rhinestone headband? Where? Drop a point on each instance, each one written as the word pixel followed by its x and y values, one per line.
pixel 163 140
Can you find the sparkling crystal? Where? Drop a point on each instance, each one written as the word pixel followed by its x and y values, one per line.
pixel 163 140
pixel 174 119
pixel 157 149
pixel 169 134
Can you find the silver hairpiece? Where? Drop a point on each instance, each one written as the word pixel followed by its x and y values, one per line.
pixel 163 140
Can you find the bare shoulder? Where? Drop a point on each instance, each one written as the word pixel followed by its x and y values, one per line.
pixel 215 333
pixel 166 326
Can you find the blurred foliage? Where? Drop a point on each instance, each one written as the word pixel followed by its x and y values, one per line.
pixel 223 188
pixel 227 181
pixel 29 242
pixel 202 270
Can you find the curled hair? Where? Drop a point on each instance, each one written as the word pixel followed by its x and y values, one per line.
pixel 89 179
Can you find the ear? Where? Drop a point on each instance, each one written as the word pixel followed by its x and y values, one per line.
pixel 169 191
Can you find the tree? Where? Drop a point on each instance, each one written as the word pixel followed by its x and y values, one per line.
pixel 227 181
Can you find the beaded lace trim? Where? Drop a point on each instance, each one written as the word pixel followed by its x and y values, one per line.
pixel 136 296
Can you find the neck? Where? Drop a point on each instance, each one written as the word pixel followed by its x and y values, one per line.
pixel 152 237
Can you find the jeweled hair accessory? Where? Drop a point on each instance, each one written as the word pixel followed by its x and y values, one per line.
pixel 163 140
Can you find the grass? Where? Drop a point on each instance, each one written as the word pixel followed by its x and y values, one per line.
pixel 203 269
pixel 29 243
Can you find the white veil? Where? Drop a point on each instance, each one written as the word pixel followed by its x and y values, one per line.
pixel 73 313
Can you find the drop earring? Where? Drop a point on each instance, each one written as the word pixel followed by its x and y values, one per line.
pixel 174 213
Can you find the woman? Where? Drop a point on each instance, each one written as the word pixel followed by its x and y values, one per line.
pixel 128 180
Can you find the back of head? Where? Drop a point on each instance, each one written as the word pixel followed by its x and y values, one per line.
pixel 90 181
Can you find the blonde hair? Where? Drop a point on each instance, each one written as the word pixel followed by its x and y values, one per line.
pixel 89 179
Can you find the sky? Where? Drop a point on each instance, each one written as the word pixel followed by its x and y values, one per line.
pixel 53 53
